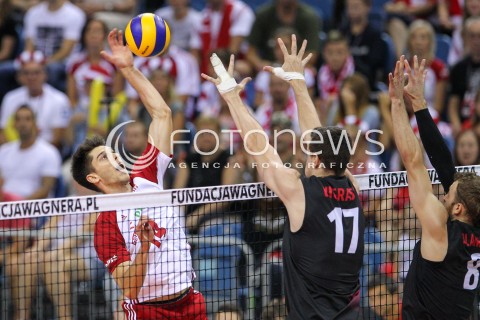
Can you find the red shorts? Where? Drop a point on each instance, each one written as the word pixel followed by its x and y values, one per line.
pixel 189 307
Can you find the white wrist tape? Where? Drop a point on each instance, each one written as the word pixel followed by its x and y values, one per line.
pixel 288 76
pixel 227 83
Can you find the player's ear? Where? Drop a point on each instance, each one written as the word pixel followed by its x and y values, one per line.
pixel 317 161
pixel 93 178
pixel 458 209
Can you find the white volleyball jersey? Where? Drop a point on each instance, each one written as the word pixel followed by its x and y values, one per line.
pixel 169 268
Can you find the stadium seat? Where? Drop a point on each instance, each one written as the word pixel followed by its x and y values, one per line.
pixel 443 42
pixel 217 265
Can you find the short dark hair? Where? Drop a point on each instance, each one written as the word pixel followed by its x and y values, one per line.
pixel 25 107
pixel 82 162
pixel 334 36
pixel 331 138
pixel 230 307
pixel 468 189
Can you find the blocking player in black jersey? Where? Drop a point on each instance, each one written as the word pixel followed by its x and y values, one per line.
pixel 443 277
pixel 323 237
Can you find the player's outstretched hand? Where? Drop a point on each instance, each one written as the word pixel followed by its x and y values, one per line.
pixel 144 231
pixel 396 81
pixel 120 56
pixel 414 90
pixel 294 64
pixel 225 81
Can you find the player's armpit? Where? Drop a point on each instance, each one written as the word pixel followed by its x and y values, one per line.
pixel 432 214
pixel 286 184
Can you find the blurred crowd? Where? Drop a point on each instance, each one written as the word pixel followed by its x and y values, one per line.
pixel 56 89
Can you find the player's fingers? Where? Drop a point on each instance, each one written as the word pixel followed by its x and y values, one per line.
pixel 208 78
pixel 402 65
pixel 307 59
pixel 294 45
pixel 415 62
pixel 244 82
pixel 302 49
pixel 396 71
pixel 112 36
pixel 408 69
pixel 282 47
pixel 422 66
pixel 120 37
pixel 231 65
pixel 105 55
pixel 268 69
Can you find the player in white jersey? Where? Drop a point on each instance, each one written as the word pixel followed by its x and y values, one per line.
pixel 145 249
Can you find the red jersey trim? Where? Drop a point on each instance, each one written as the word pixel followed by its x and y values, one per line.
pixel 109 242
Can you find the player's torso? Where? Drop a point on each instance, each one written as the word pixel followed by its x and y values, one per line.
pixel 330 243
pixel 449 285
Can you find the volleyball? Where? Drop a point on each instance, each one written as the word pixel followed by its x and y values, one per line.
pixel 147 35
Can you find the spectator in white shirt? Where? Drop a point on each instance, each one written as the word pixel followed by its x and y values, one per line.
pixel 29 169
pixel 54 27
pixel 51 106
pixel 29 166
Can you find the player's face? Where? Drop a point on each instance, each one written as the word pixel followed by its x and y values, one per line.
pixel 108 166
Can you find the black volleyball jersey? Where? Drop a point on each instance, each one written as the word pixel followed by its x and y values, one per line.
pixel 446 289
pixel 322 260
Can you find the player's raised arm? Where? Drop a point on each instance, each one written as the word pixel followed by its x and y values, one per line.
pixel 432 140
pixel 430 211
pixel 292 71
pixel 161 126
pixel 285 182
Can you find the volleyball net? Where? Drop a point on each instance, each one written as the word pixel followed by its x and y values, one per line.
pixel 50 268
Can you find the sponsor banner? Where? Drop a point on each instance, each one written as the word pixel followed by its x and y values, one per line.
pixel 400 179
pixel 180 197
pixel 124 201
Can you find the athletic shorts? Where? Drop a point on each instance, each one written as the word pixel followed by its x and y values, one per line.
pixel 189 306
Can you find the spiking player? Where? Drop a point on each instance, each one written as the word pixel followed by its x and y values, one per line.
pixel 145 249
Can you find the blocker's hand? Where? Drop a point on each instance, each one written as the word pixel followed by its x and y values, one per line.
pixel 121 56
pixel 294 64
pixel 225 82
pixel 396 81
